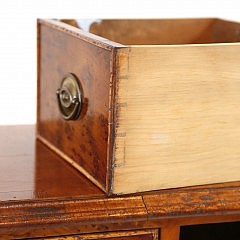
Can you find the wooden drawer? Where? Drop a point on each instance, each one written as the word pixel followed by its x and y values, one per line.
pixel 160 109
pixel 128 235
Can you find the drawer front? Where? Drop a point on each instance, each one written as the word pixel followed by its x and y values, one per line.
pixel 82 142
pixel 129 235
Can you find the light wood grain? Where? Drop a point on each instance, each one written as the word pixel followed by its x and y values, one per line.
pixel 155 31
pixel 167 31
pixel 177 116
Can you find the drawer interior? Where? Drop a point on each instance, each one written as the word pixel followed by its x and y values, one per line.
pixel 163 31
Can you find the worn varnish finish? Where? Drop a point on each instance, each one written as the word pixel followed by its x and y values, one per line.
pixel 86 141
pixel 58 217
pixel 66 203
pixel 29 170
pixel 55 178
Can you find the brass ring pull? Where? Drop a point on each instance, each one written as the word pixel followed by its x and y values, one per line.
pixel 69 98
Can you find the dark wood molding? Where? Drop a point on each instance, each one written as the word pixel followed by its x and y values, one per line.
pixel 119 213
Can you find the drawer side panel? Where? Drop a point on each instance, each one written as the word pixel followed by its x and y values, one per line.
pixel 178 114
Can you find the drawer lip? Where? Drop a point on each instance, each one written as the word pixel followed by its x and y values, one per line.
pixel 78 33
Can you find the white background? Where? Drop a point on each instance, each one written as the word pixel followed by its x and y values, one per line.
pixel 18 38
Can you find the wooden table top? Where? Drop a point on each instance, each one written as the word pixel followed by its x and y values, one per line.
pixel 38 189
pixel 29 170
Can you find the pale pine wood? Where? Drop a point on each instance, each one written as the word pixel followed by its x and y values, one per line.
pixel 177 116
pixel 155 31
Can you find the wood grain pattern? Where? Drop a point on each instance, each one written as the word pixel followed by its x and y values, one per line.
pixel 29 170
pixel 66 203
pixel 167 31
pixel 17 149
pixel 149 110
pixel 177 117
pixel 65 49
pixel 130 235
pixel 156 210
pixel 155 31
pixel 54 178
pixel 195 202
pixel 58 217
